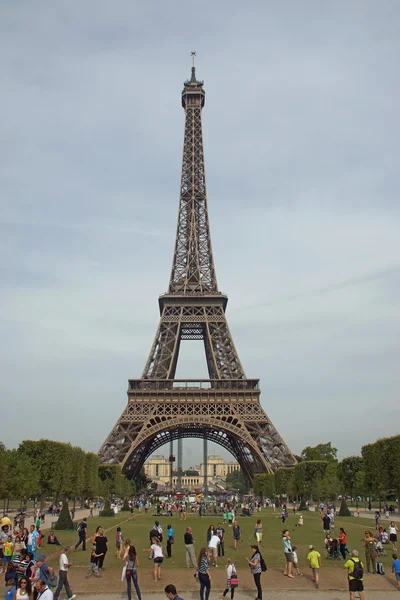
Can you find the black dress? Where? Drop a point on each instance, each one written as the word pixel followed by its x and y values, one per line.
pixel 101 548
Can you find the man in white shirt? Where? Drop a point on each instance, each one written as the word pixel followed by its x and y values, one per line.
pixel 213 549
pixel 63 576
pixel 44 592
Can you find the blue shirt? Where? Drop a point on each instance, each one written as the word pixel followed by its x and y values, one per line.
pixel 287 545
pixel 10 593
pixel 396 565
pixel 170 533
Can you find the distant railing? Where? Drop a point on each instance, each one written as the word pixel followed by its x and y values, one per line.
pixel 199 384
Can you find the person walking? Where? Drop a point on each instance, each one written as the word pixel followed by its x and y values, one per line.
pixel 368 541
pixel 255 569
pixel 220 531
pixel 396 569
pixel 131 563
pixel 100 540
pixel 43 590
pixel 189 549
pixel 236 532
pixel 315 563
pixel 204 574
pixel 158 557
pixel 342 542
pixel 63 575
pixel 258 532
pixel 393 531
pixel 355 574
pixel 231 578
pixel 170 540
pixel 82 527
pixel 93 566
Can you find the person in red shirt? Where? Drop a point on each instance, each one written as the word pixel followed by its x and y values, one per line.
pixel 343 542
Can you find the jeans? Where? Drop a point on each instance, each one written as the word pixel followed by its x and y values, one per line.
pixel 62 581
pixel 205 583
pixel 257 581
pixel 134 578
pixel 82 540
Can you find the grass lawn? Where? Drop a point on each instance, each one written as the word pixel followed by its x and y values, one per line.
pixel 138 531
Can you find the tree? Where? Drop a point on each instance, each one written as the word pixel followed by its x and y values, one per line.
pixel 22 477
pixel 344 509
pixel 392 462
pixel 64 521
pixel 284 481
pixel 375 475
pixel 190 472
pixel 264 485
pixel 90 476
pixel 107 510
pixel 142 481
pixel 307 479
pixel 237 481
pixel 351 475
pixel 329 486
pixel 125 506
pixel 323 452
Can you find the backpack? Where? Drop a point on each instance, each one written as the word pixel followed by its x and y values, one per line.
pixel 380 569
pixel 358 571
pixel 263 564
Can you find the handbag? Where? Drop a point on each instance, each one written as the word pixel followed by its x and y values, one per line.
pixel 233 581
pixel 123 574
pixel 52 581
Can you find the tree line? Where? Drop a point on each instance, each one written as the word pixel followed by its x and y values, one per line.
pixel 318 475
pixel 46 469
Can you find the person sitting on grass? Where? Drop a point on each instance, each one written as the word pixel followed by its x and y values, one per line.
pixel 53 539
pixel 315 563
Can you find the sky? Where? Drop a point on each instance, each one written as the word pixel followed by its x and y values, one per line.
pixel 301 136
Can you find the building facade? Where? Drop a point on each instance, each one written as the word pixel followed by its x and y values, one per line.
pixel 157 468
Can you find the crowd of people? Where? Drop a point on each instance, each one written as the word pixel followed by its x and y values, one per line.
pixel 27 575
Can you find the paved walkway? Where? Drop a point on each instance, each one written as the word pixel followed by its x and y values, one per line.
pixel 270 594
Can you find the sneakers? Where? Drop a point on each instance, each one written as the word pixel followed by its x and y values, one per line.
pixel 72 597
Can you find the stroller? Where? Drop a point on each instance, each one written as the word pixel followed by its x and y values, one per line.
pixel 379 549
pixel 333 549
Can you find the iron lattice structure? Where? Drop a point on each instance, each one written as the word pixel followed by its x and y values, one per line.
pixel 226 407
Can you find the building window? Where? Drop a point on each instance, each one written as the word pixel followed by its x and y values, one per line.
pixel 156 470
pixel 215 470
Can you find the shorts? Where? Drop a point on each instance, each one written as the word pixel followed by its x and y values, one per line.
pixel 6 559
pixel 397 576
pixel 315 570
pixel 258 536
pixel 356 585
pixel 158 560
pixel 236 538
pixel 118 545
pixel 213 552
pixel 289 557
pixel 296 565
pixel 393 537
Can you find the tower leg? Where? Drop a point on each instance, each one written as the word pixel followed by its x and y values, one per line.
pixel 180 451
pixel 205 464
pixel 171 464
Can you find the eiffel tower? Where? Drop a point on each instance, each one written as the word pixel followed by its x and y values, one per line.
pixel 226 407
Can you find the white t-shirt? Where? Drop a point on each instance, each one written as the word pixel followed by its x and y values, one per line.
pixel 229 570
pixel 46 595
pixel 294 554
pixel 392 530
pixel 64 562
pixel 214 541
pixel 157 551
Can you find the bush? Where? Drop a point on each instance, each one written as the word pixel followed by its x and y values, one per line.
pixel 107 510
pixel 344 509
pixel 64 520
pixel 125 506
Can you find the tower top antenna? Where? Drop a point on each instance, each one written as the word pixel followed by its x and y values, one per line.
pixel 193 66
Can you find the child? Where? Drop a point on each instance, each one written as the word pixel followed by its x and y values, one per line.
pixel 8 548
pixel 314 560
pixel 231 577
pixel 396 569
pixel 225 517
pixel 295 561
pixel 10 589
pixel 230 517
pixel 300 522
pixel 18 545
pixel 118 542
pixel 93 567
